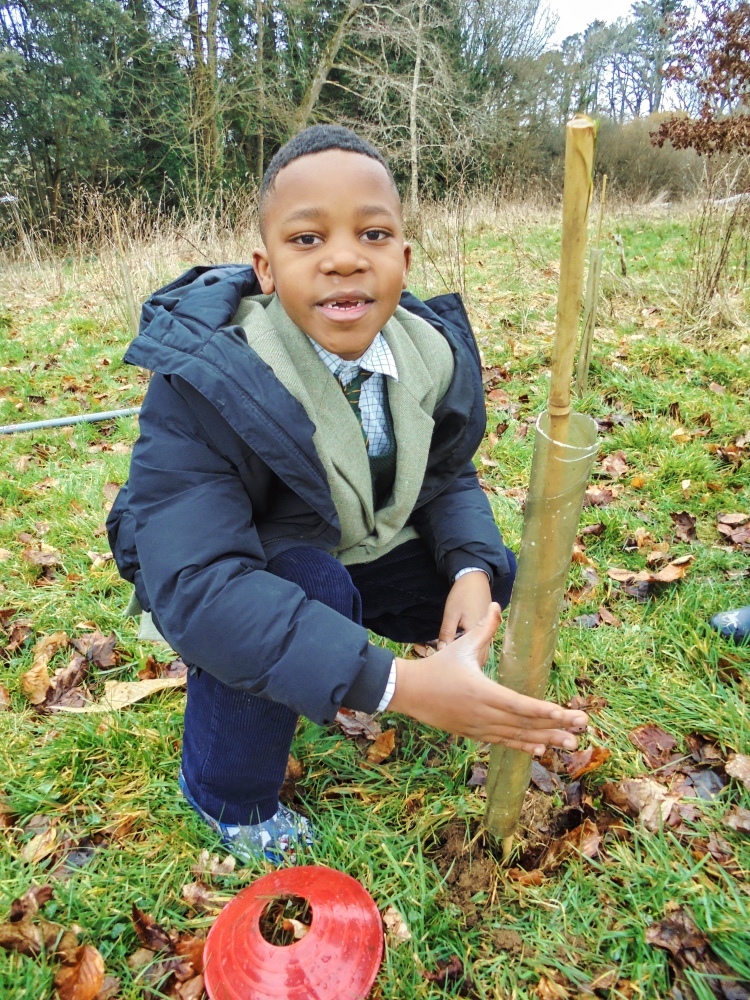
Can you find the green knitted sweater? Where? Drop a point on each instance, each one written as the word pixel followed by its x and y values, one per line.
pixel 425 368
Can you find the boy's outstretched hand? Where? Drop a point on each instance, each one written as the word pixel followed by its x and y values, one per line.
pixel 449 691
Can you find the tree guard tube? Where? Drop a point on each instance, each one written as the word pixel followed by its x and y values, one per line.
pixel 549 531
pixel 564 451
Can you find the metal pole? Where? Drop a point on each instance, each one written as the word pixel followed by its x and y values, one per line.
pixel 81 418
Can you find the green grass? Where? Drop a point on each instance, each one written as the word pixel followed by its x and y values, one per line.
pixel 382 824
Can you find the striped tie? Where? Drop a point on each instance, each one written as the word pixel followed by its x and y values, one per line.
pixel 352 390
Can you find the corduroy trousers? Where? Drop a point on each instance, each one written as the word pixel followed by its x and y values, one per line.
pixel 236 745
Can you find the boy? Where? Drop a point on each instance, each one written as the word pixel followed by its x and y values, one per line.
pixel 271 518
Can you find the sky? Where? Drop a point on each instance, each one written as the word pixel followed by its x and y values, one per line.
pixel 575 15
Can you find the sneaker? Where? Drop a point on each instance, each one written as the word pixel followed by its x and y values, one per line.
pixel 734 625
pixel 275 839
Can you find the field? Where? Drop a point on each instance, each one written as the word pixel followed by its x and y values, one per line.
pixel 617 888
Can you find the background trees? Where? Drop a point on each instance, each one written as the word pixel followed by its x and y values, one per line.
pixel 179 99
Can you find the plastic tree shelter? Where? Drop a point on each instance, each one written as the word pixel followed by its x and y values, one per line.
pixel 564 452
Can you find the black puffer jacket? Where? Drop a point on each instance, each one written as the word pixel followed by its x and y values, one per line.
pixel 224 475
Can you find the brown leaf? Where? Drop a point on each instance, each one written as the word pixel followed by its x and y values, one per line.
pixel 644 798
pixel 40 846
pixel 655 744
pixel 734 519
pixel 546 781
pixel 294 772
pixel 608 618
pixel 110 988
pixel 66 684
pixel 398 932
pixel 84 978
pixel 738 765
pixel 448 971
pixel 533 877
pixel 151 934
pixel 684 525
pixel 588 703
pixel 582 761
pixel 204 899
pixel 45 555
pixel 193 989
pixel 97 648
pixel 358 724
pixel 548 989
pixel 600 498
pixel 119 694
pixel 637 482
pixel 4 699
pixel 190 947
pixel 738 819
pixel 36 681
pixel 20 632
pixel 593 529
pixel 31 902
pixel 615 464
pixel 585 621
pixel 209 864
pixel 383 747
pixel 422 650
pixel 689 949
pixel 478 776
pixel 715 387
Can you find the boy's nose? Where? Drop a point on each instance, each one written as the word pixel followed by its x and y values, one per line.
pixel 344 258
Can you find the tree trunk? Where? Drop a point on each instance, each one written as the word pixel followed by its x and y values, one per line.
pixel 413 136
pixel 324 66
pixel 260 164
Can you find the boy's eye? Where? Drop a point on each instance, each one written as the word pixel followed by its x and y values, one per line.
pixel 307 239
pixel 375 235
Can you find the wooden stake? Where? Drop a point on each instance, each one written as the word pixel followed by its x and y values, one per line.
pixel 579 161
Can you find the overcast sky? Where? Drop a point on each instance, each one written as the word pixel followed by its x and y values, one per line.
pixel 575 15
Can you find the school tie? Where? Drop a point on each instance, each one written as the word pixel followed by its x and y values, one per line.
pixel 352 390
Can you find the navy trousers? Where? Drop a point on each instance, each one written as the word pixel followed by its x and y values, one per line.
pixel 236 745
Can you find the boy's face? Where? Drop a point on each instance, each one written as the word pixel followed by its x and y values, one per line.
pixel 334 248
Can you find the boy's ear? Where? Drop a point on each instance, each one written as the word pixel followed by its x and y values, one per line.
pixel 407 264
pixel 262 268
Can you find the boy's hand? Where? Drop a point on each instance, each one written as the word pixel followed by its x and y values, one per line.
pixel 467 604
pixel 449 690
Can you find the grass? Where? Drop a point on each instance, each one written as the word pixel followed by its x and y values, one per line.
pixel 113 778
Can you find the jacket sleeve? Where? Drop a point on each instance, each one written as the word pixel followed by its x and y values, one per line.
pixel 204 571
pixel 460 530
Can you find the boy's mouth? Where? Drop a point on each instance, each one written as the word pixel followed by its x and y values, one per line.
pixel 345 307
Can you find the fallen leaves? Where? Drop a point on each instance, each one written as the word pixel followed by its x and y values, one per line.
pixel 83 978
pixel 355 724
pixel 582 761
pixel 684 526
pixel 738 765
pixel 382 747
pixel 736 528
pixel 167 961
pixel 395 927
pixel 359 724
pixel 738 819
pixel 36 682
pixel 655 744
pixel 689 949
pixel 119 694
pixel 672 572
pixel 81 975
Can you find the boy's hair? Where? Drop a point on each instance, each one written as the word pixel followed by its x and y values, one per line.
pixel 315 139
